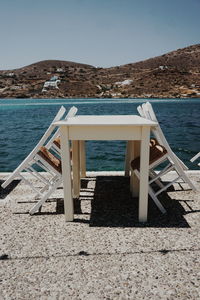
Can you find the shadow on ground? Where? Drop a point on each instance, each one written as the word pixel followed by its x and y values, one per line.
pixel 5 192
pixel 113 206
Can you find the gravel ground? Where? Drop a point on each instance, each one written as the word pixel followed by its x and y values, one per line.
pixel 105 253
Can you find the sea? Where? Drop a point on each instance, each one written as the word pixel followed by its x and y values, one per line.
pixel 23 122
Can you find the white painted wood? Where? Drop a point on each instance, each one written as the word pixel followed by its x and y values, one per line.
pixel 144 174
pixel 147 110
pixel 38 205
pixel 51 178
pixel 134 181
pixel 111 120
pixel 73 110
pixel 97 132
pixel 131 156
pixel 21 167
pixel 195 157
pixel 152 194
pixel 106 128
pixel 82 159
pixel 127 159
pixel 173 164
pixel 66 174
pixel 156 201
pixel 76 168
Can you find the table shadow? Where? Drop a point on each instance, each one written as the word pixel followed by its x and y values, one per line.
pixel 113 206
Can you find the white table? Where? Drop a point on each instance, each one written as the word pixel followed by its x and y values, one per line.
pixel 113 127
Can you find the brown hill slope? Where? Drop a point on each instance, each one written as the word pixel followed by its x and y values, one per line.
pixel 175 74
pixel 188 57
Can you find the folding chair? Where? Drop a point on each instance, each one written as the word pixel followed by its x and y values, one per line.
pixel 174 162
pixel 157 155
pixel 160 152
pixel 46 156
pixel 146 111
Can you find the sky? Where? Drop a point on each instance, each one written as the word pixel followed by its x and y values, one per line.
pixel 102 33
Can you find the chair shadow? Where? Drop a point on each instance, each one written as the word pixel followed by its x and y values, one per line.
pixel 59 207
pixel 113 206
pixel 180 187
pixel 5 192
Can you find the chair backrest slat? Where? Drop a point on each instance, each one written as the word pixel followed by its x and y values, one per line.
pixel 147 111
pixel 47 133
pixel 71 113
pixel 140 110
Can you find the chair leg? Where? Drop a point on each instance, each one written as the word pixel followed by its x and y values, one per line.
pixel 182 174
pixel 189 182
pixel 152 195
pixel 37 206
pixel 152 174
pixel 134 183
pixel 15 174
pixel 9 179
pixel 156 201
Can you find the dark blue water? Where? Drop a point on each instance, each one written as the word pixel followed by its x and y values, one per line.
pixel 23 122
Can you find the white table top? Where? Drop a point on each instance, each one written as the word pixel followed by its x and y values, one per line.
pixel 107 120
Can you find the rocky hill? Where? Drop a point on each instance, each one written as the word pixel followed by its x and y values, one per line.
pixel 172 75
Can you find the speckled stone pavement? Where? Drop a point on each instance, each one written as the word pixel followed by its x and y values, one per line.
pixel 105 253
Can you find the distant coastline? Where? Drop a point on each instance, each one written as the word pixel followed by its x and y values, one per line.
pixel 172 75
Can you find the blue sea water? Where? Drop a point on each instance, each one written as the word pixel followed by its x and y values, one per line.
pixel 23 121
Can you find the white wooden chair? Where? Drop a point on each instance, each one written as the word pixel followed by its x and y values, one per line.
pixel 195 158
pixel 46 156
pixel 159 153
pixel 176 164
pixel 146 111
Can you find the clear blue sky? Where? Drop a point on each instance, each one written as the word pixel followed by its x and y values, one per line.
pixel 97 32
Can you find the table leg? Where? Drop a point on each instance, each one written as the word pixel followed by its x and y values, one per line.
pixel 76 168
pixel 82 158
pixel 127 159
pixel 134 181
pixel 144 174
pixel 66 174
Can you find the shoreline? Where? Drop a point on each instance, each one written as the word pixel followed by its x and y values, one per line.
pixel 98 98
pixel 110 173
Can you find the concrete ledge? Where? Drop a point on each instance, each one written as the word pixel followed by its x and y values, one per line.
pixel 109 173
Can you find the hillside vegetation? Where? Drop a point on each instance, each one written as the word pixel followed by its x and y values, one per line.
pixel 172 75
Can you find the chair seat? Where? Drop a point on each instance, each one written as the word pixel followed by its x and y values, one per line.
pixel 50 159
pixel 153 142
pixel 57 143
pixel 156 151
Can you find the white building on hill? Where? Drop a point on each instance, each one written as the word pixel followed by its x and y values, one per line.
pixel 51 84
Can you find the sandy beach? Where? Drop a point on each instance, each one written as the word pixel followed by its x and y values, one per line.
pixel 105 253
